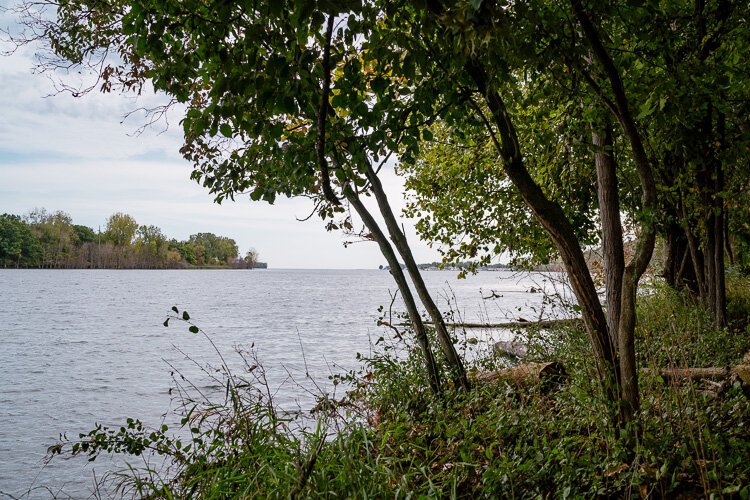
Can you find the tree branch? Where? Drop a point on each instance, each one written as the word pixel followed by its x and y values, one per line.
pixel 320 144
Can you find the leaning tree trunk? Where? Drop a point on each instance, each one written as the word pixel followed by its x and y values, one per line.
pixel 419 329
pixel 458 371
pixel 369 221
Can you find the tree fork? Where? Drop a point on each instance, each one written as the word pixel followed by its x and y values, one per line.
pixel 645 246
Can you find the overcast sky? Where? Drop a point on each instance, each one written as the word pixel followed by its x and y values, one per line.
pixel 77 155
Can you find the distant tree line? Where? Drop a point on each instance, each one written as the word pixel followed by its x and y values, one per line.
pixel 42 239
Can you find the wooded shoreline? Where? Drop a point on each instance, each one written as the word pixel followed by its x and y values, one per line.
pixel 50 240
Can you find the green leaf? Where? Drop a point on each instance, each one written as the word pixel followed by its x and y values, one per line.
pixel 166 322
pixel 378 85
pixel 226 130
pixel 174 308
pixel 185 315
pixel 193 329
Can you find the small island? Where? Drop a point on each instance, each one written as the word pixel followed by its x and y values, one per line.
pixel 50 240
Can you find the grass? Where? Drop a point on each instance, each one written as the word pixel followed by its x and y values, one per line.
pixel 391 439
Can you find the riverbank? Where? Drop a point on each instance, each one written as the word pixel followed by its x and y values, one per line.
pixel 389 438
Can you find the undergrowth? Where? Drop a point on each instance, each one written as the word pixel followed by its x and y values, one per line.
pixel 390 438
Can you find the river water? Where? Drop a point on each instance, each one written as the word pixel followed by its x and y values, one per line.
pixel 80 346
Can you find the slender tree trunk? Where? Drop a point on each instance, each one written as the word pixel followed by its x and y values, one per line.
pixel 719 211
pixel 727 240
pixel 696 255
pixel 630 402
pixel 679 266
pixel 433 373
pixel 711 250
pixel 609 213
pixel 671 256
pixel 458 371
pixel 720 306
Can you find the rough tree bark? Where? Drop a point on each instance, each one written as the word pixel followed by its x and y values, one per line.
pixel 609 215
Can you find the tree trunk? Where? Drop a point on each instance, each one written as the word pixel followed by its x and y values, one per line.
pixel 609 214
pixel 719 213
pixel 433 373
pixel 679 269
pixel 696 255
pixel 621 283
pixel 458 371
pixel 727 240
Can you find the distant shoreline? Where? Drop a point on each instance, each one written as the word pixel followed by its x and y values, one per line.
pixel 193 268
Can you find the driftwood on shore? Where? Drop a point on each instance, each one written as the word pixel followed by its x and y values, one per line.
pixel 547 323
pixel 740 373
pixel 552 373
pixel 548 375
pixel 521 323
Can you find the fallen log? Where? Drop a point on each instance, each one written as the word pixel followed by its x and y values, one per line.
pixel 552 373
pixel 548 375
pixel 546 323
pixel 742 372
pixel 696 374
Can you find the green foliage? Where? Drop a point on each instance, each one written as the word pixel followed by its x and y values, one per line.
pixel 51 240
pixel 150 239
pixel 19 247
pixel 464 201
pixel 84 234
pixel 676 332
pixel 211 249
pixel 121 229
